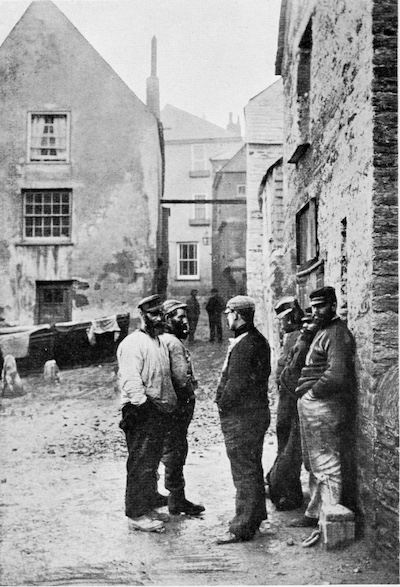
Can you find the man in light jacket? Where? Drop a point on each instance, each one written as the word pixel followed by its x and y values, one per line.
pixel 147 400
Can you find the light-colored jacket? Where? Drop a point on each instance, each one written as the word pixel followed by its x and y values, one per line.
pixel 144 371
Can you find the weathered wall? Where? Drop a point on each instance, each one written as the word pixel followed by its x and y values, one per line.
pixel 114 171
pixel 349 169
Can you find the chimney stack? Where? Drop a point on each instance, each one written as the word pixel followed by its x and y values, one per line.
pixel 152 84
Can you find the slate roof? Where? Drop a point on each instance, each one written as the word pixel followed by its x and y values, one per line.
pixel 183 126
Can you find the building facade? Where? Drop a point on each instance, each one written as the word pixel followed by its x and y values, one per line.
pixel 192 146
pixel 81 177
pixel 338 64
pixel 229 225
pixel 264 138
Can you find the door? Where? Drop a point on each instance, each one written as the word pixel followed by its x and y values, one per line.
pixel 53 301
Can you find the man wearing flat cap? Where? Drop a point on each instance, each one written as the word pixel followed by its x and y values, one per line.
pixel 326 389
pixel 242 399
pixel 283 479
pixel 147 399
pixel 176 444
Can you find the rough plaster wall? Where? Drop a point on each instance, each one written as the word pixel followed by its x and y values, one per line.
pixel 114 172
pixel 259 158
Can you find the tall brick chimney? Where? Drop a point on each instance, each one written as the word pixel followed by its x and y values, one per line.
pixel 152 83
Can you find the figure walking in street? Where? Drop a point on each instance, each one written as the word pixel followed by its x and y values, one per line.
pixel 283 479
pixel 242 399
pixel 193 313
pixel 215 307
pixel 147 399
pixel 176 443
pixel 326 389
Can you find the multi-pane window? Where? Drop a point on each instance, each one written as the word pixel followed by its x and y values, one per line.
pixel 47 213
pixel 306 233
pixel 188 262
pixel 241 190
pixel 199 158
pixel 200 207
pixel 48 137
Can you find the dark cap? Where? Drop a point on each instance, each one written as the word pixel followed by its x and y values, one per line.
pixel 324 295
pixel 170 306
pixel 150 304
pixel 214 290
pixel 240 303
pixel 285 305
pixel 193 292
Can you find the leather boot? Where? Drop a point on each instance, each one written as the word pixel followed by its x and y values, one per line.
pixel 178 504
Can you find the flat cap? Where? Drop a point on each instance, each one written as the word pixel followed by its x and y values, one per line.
pixel 240 303
pixel 150 304
pixel 172 305
pixel 214 290
pixel 323 295
pixel 285 305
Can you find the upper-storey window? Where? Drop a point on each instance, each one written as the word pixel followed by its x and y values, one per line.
pixel 48 136
pixel 304 81
pixel 241 190
pixel 199 158
pixel 306 234
pixel 47 214
pixel 200 207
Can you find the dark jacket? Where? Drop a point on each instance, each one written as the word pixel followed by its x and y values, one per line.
pixel 215 305
pixel 295 361
pixel 244 381
pixel 193 308
pixel 329 370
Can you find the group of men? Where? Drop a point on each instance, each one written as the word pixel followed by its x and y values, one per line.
pixel 316 391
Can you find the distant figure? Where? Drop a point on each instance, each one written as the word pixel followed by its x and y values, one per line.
pixel 193 313
pixel 11 383
pixel 214 307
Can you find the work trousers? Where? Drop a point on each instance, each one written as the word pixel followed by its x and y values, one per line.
pixel 145 441
pixel 284 477
pixel 192 322
pixel 244 431
pixel 321 426
pixel 215 327
pixel 176 446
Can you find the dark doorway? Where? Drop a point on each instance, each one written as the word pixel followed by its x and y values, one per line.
pixel 53 301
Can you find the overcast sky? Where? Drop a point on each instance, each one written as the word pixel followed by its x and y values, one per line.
pixel 213 55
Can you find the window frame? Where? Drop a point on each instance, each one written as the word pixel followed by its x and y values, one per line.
pixel 311 209
pixel 49 159
pixel 203 166
pixel 200 199
pixel 241 185
pixel 43 238
pixel 186 277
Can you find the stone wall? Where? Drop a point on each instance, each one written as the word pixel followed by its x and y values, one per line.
pixel 349 168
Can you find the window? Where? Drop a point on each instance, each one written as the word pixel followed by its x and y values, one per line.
pixel 48 137
pixel 47 213
pixel 188 262
pixel 303 81
pixel 200 207
pixel 306 234
pixel 241 190
pixel 53 301
pixel 199 159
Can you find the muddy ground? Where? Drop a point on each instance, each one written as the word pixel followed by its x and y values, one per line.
pixel 62 498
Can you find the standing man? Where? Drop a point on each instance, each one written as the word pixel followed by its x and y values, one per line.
pixel 327 391
pixel 242 399
pixel 193 313
pixel 284 477
pixel 215 307
pixel 147 400
pixel 176 444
